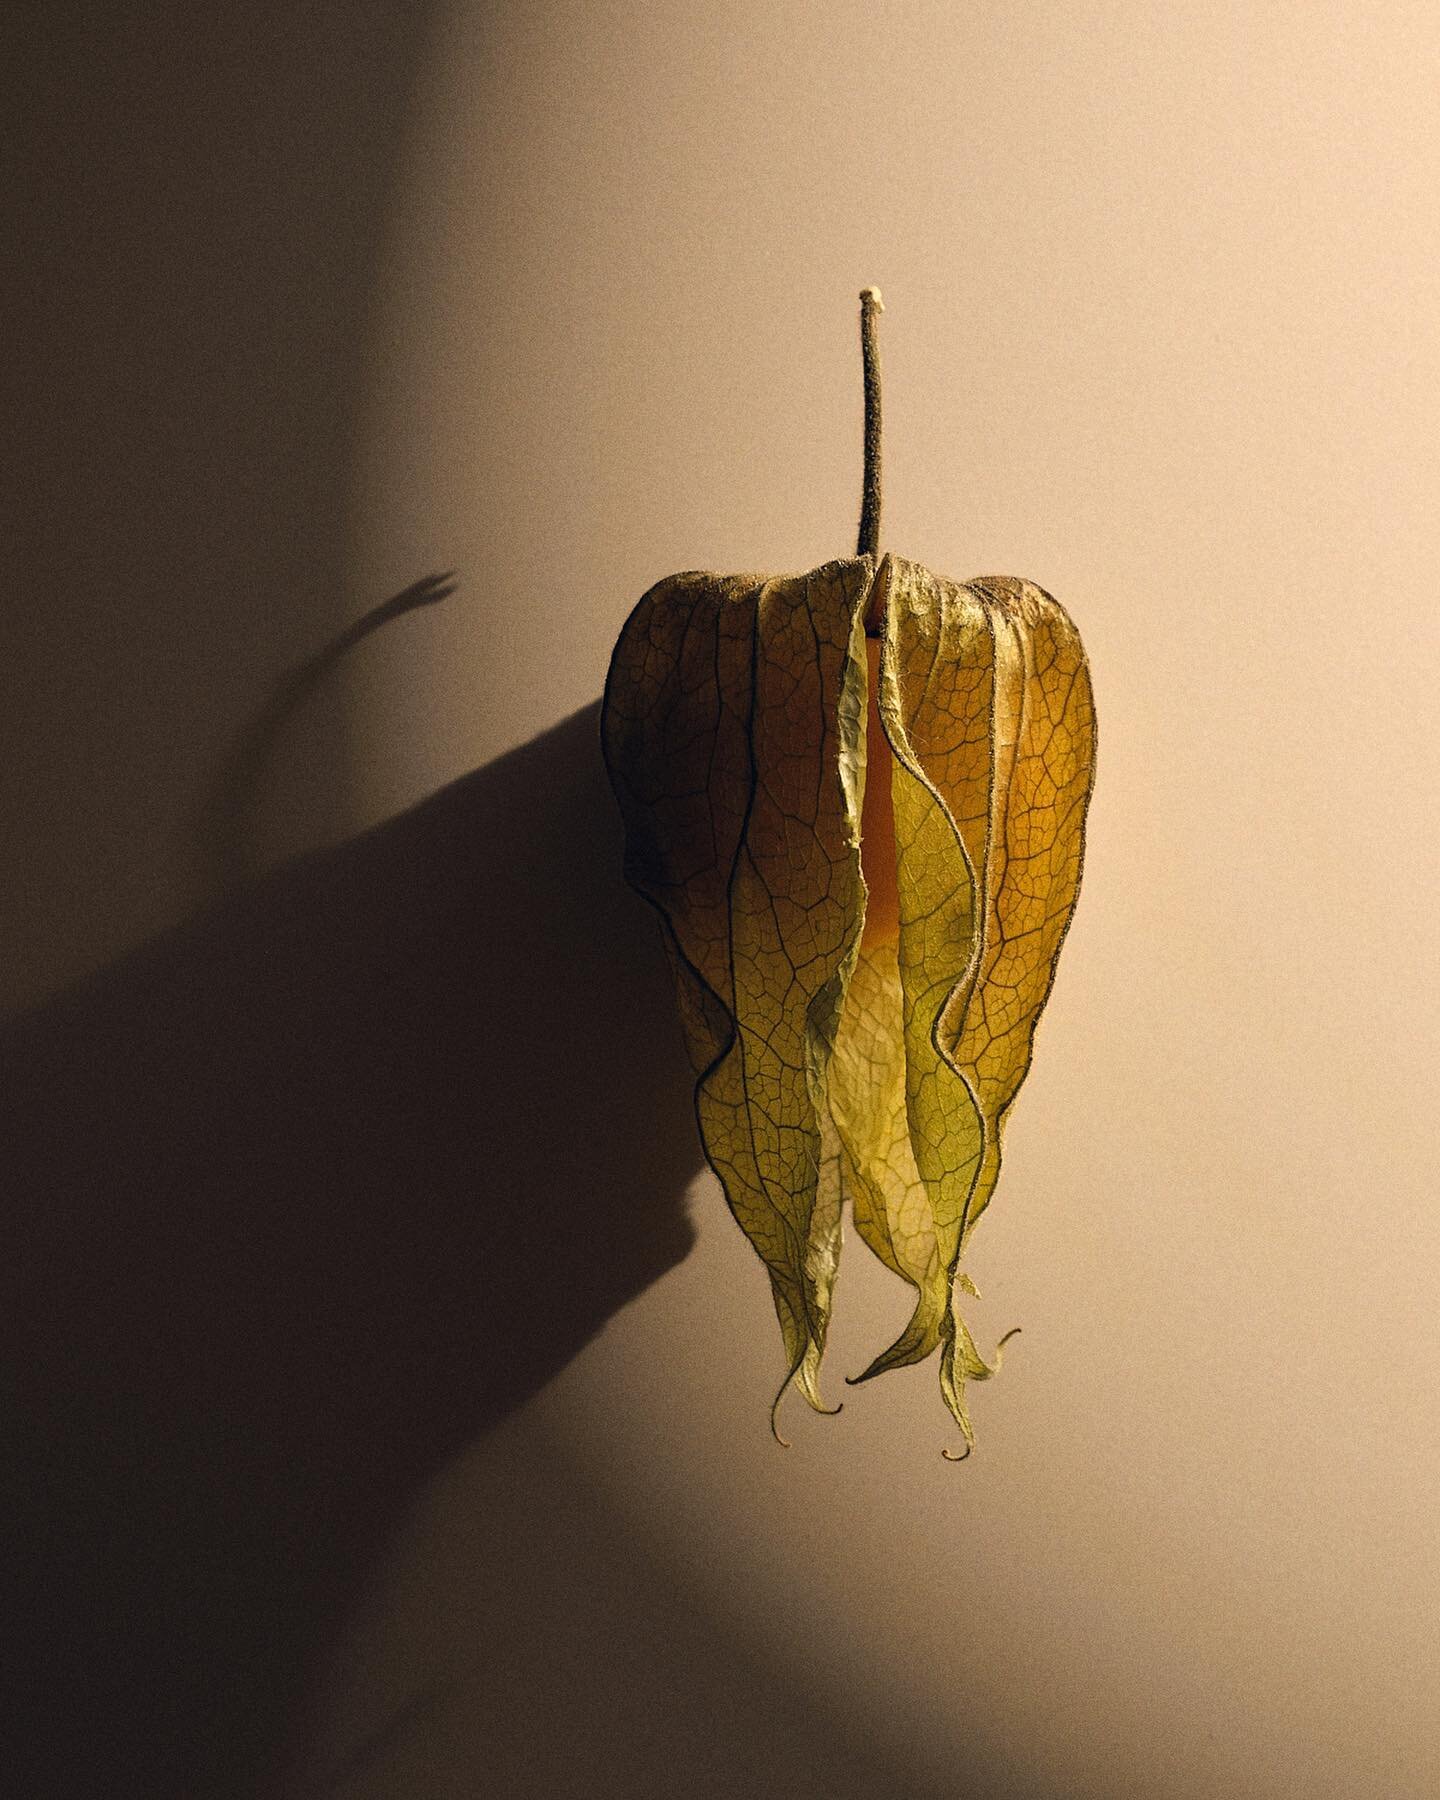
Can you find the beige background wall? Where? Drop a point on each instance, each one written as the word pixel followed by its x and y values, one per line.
pixel 1161 291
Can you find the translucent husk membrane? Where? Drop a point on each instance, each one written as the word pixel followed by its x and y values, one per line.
pixel 833 1063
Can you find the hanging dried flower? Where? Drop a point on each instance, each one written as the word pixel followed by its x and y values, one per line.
pixel 857 799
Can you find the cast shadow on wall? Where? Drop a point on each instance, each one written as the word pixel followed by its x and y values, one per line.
pixel 302 1197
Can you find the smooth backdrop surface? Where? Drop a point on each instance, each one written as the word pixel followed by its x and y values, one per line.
pixel 563 297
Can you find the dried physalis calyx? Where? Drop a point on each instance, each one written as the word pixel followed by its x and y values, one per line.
pixel 857 799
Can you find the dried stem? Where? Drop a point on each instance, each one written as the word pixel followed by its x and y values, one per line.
pixel 870 306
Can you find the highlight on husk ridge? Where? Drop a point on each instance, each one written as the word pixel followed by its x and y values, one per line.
pixel 856 798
